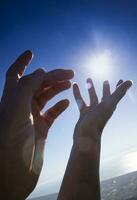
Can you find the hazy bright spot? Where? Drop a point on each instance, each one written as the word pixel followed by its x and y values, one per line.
pixel 101 64
pixel 130 162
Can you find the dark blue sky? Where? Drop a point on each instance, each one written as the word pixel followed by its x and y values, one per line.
pixel 58 29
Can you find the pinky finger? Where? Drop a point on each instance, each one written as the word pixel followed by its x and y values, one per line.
pixel 51 114
pixel 119 83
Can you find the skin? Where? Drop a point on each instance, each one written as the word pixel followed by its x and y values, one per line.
pixel 23 128
pixel 81 179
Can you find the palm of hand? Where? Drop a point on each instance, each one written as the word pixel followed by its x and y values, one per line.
pixel 21 124
pixel 24 129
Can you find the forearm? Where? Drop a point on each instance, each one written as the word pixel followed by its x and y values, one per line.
pixel 81 179
pixel 13 167
pixel 7 196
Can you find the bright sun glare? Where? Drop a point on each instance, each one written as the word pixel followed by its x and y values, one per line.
pixel 130 162
pixel 101 64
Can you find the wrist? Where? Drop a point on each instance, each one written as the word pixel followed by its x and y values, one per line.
pixel 87 147
pixel 92 133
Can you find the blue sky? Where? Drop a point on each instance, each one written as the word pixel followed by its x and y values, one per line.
pixel 67 34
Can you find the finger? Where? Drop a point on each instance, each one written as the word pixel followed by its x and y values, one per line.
pixel 40 79
pixel 92 93
pixel 119 83
pixel 17 68
pixel 55 111
pixel 57 75
pixel 79 100
pixel 49 93
pixel 13 74
pixel 120 92
pixel 106 90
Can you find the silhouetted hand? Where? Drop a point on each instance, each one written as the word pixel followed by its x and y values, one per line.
pixel 81 179
pixel 94 117
pixel 23 128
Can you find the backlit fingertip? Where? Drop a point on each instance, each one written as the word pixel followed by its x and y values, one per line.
pixel 106 82
pixel 89 80
pixel 66 102
pixel 131 82
pixel 89 85
pixel 120 81
pixel 29 53
pixel 75 84
pixel 71 72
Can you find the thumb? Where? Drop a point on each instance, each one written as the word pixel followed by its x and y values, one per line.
pixel 120 92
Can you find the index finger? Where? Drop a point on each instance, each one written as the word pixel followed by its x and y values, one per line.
pixel 57 75
pixel 121 91
pixel 18 67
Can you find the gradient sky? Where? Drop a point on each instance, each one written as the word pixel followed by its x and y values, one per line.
pixel 66 34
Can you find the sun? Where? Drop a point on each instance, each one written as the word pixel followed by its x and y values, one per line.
pixel 101 64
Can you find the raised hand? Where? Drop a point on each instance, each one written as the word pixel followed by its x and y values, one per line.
pixel 81 179
pixel 23 128
pixel 96 115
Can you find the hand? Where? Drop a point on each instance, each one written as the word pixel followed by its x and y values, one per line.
pixel 23 128
pixel 94 117
pixel 81 179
